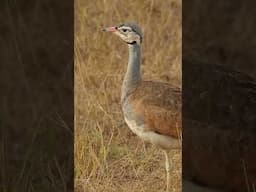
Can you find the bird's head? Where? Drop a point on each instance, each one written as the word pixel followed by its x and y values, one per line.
pixel 128 32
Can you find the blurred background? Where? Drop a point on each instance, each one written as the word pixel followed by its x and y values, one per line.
pixel 108 156
pixel 36 100
pixel 220 32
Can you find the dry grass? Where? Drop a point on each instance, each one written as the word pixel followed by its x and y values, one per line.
pixel 108 157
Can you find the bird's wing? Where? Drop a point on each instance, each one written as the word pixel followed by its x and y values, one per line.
pixel 160 106
pixel 219 132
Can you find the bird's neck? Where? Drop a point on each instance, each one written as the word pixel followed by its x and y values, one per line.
pixel 132 76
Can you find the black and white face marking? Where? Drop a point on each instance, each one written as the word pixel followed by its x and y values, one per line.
pixel 129 35
pixel 125 29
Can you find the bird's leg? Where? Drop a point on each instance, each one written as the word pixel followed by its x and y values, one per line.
pixel 168 168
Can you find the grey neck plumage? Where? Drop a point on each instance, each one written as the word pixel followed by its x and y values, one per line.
pixel 132 76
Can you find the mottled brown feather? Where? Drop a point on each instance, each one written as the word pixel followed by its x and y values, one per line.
pixel 160 106
pixel 219 132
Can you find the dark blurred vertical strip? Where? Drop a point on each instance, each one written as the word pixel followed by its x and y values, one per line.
pixel 36 99
pixel 219 94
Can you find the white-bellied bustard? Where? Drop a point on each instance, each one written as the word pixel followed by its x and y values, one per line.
pixel 219 127
pixel 152 110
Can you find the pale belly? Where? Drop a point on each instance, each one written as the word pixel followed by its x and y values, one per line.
pixel 163 141
pixel 188 186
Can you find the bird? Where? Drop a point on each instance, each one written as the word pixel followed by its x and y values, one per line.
pixel 151 109
pixel 219 132
pixel 190 186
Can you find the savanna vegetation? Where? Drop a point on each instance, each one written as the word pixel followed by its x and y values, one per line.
pixel 108 156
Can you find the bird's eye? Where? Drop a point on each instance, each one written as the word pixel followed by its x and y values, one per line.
pixel 124 30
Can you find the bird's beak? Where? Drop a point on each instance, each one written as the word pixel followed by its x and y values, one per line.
pixel 110 29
